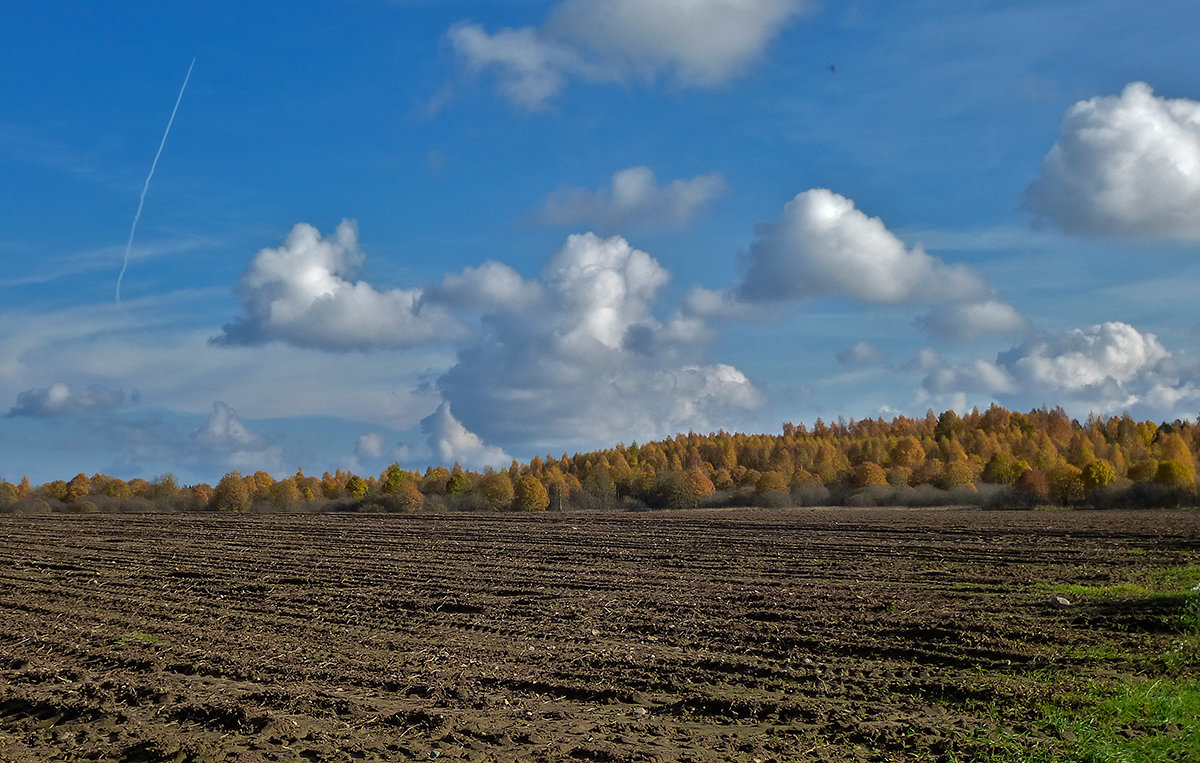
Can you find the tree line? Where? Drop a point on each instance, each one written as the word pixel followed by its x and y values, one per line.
pixel 995 458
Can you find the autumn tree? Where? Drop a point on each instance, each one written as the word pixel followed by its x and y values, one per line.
pixel 497 490
pixel 1098 473
pixel 700 482
pixel 232 493
pixel 907 451
pixel 1171 447
pixel 79 486
pixel 459 484
pixel 1003 469
pixel 285 492
pixel 529 494
pixel 164 488
pixel 1175 475
pixel 407 496
pixel 356 487
pixel 1033 484
pixel 434 481
pixel 869 473
pixel 8 494
pixel 673 490
pixel 1066 483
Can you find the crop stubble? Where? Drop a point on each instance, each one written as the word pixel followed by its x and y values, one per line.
pixel 832 634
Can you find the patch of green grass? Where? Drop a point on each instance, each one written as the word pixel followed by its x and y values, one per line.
pixel 1171 583
pixel 1179 577
pixel 1114 592
pixel 1149 714
pixel 1096 722
pixel 139 637
pixel 1143 721
pixel 1187 620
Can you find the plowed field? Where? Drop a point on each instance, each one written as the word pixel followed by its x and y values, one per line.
pixel 834 634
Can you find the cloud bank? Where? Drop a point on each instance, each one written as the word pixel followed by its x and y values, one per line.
pixel 1125 166
pixel 1104 368
pixel 695 43
pixel 573 358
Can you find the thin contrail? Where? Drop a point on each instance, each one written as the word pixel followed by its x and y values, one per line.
pixel 146 187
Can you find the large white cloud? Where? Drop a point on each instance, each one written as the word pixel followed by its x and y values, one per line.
pixel 634 198
pixel 491 286
pixel 696 42
pixel 575 357
pixel 1111 353
pixel 592 364
pixel 1127 166
pixel 301 293
pixel 823 245
pixel 700 42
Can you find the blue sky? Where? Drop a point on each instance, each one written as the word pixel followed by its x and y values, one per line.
pixel 430 231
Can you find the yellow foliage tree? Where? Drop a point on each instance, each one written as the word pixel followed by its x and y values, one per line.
pixel 529 494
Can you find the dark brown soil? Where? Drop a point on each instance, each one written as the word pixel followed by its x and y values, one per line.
pixel 834 634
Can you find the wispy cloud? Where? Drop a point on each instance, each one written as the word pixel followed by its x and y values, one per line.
pixel 633 198
pixel 60 400
pixel 696 43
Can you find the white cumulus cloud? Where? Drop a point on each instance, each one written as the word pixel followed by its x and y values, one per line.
pixel 697 43
pixel 577 356
pixel 700 42
pixel 1104 368
pixel 823 245
pixel 634 198
pixel 592 363
pixel 1111 353
pixel 531 68
pixel 493 285
pixel 451 442
pixel 301 293
pixel 1126 166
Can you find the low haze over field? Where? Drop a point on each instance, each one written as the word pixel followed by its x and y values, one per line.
pixel 426 232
